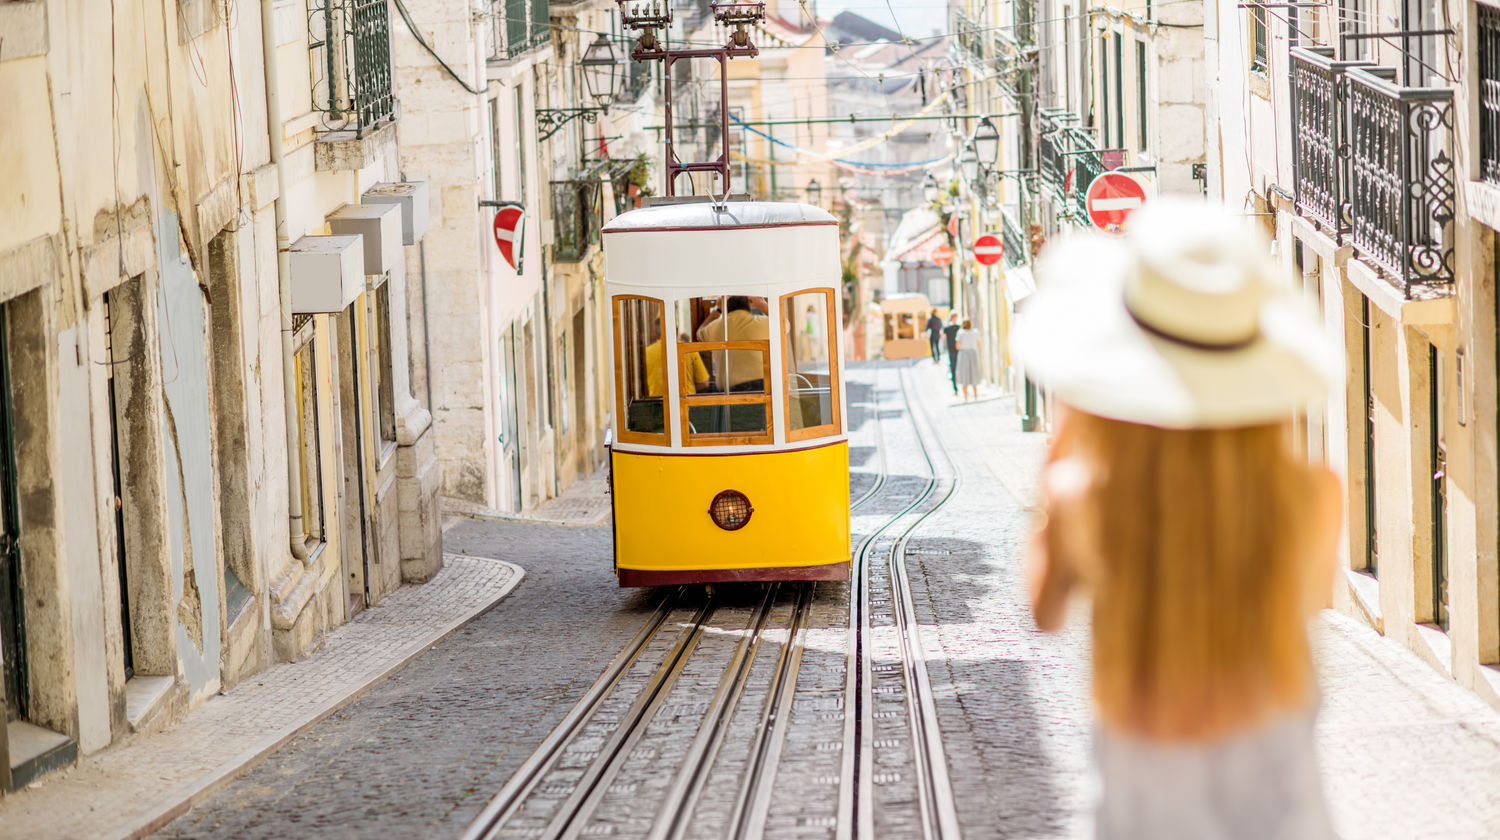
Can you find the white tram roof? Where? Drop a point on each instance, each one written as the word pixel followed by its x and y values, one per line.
pixel 739 247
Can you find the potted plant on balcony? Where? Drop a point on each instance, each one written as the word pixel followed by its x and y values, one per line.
pixel 638 179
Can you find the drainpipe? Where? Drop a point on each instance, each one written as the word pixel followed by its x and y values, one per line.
pixel 284 282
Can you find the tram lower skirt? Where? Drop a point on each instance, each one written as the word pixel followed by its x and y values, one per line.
pixel 643 577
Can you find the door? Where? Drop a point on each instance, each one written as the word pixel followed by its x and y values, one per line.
pixel 116 420
pixel 510 436
pixel 12 635
pixel 354 509
pixel 1439 459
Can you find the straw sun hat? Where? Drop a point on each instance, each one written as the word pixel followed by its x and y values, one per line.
pixel 1183 322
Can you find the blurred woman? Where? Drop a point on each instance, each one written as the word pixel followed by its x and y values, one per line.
pixel 1173 499
pixel 966 372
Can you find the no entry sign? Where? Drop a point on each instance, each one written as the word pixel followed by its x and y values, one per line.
pixel 508 230
pixel 988 249
pixel 942 254
pixel 1112 197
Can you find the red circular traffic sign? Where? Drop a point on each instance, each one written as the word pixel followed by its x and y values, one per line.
pixel 942 254
pixel 1112 197
pixel 508 228
pixel 988 249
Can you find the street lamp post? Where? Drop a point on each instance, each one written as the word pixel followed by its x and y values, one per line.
pixel 815 193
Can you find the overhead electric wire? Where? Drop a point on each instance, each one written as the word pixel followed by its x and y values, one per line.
pixel 412 27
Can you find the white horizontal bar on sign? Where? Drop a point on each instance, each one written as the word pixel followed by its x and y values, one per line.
pixel 1125 203
pixel 989 249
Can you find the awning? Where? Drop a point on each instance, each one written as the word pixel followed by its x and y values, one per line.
pixel 1019 284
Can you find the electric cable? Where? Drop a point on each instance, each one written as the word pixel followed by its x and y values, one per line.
pixel 412 28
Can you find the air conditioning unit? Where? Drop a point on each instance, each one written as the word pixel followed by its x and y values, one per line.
pixel 328 273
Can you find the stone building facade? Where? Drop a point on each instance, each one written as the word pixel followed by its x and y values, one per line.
pixel 209 453
pixel 1372 162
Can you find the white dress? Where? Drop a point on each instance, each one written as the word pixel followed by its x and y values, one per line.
pixel 1260 785
pixel 966 372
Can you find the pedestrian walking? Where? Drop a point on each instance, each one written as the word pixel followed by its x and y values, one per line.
pixel 966 370
pixel 1172 497
pixel 950 339
pixel 934 335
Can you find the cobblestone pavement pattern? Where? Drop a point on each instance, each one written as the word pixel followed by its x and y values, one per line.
pixel 1405 751
pixel 134 786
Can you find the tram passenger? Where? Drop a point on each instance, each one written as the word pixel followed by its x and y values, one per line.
pixel 1173 498
pixel 694 374
pixel 739 322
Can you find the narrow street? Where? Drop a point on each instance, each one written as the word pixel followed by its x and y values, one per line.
pixel 423 753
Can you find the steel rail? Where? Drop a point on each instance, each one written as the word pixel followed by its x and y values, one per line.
pixel 683 794
pixel 939 816
pixel 504 804
pixel 573 814
pixel 940 810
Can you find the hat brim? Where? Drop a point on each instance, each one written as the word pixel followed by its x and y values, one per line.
pixel 1076 338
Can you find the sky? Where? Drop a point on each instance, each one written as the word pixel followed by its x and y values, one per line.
pixel 914 16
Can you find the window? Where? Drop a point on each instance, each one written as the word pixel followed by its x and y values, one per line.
pixel 640 373
pixel 724 366
pixel 1104 92
pixel 808 355
pixel 1259 36
pixel 1119 121
pixel 1142 136
pixel 311 480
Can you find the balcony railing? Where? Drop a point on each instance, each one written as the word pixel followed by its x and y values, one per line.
pixel 1070 159
pixel 1318 141
pixel 1402 180
pixel 1016 251
pixel 519 25
pixel 1489 93
pixel 576 218
pixel 1373 164
pixel 351 63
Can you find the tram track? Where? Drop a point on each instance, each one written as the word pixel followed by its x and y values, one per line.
pixel 869 729
pixel 574 794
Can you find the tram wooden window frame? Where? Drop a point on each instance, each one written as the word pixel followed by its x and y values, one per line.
pixel 624 433
pixel 687 401
pixel 834 371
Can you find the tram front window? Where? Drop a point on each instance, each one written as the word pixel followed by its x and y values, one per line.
pixel 725 339
pixel 811 370
pixel 640 367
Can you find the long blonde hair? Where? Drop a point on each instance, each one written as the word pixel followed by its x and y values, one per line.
pixel 1196 547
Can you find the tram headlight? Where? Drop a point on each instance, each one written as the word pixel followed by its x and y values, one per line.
pixel 730 510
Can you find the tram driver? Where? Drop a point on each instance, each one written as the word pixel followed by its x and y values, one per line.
pixel 744 319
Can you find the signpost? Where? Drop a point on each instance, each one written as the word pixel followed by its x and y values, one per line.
pixel 942 254
pixel 988 249
pixel 1111 198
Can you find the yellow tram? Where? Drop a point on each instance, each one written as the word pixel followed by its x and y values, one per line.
pixel 736 468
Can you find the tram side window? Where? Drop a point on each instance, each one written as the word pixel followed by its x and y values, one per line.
pixel 641 364
pixel 723 352
pixel 811 369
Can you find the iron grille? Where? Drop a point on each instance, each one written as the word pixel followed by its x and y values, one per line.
pixel 1088 164
pixel 518 26
pixel 1016 252
pixel 1401 177
pixel 1489 93
pixel 1318 141
pixel 351 67
pixel 576 209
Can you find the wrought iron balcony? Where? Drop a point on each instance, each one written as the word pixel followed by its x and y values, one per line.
pixel 351 63
pixel 1489 93
pixel 1401 177
pixel 1070 159
pixel 1318 141
pixel 1016 250
pixel 576 218
pixel 1373 164
pixel 519 26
